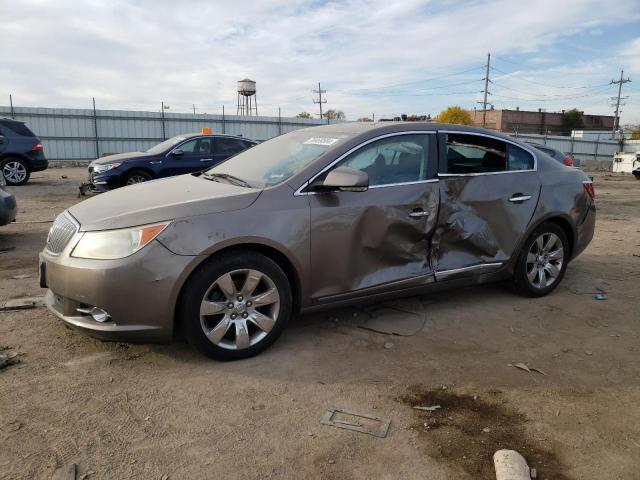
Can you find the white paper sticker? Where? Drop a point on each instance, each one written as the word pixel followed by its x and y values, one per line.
pixel 321 141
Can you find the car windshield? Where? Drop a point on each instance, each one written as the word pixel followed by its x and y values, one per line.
pixel 274 161
pixel 166 145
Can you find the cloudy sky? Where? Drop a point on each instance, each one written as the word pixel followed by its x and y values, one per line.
pixel 379 56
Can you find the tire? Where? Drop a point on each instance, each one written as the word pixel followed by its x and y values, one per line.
pixel 136 176
pixel 15 171
pixel 229 326
pixel 541 265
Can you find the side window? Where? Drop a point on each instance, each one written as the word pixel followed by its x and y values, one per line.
pixel 519 159
pixel 398 159
pixel 19 129
pixel 229 146
pixel 189 147
pixel 468 153
pixel 203 146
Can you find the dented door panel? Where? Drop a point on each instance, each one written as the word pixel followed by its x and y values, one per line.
pixel 365 239
pixel 478 224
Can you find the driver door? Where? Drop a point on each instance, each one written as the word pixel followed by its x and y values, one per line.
pixel 378 239
pixel 192 156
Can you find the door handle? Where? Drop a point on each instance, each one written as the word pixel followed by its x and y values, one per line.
pixel 519 198
pixel 419 214
pixel 206 159
pixel 156 162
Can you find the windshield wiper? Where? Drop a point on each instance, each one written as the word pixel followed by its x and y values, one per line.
pixel 229 178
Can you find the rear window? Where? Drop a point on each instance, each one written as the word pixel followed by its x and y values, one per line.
pixel 17 128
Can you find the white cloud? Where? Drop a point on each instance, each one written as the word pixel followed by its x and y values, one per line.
pixel 132 54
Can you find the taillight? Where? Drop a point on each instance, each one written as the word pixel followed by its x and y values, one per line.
pixel 588 188
pixel 37 147
pixel 568 161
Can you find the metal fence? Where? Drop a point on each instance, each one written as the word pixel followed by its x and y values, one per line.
pixel 85 134
pixel 583 151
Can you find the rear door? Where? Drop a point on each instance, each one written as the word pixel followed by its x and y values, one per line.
pixel 226 147
pixel 4 140
pixel 378 239
pixel 489 189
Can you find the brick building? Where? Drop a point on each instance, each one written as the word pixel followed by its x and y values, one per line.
pixel 541 122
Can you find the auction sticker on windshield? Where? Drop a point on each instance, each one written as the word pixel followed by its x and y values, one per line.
pixel 321 141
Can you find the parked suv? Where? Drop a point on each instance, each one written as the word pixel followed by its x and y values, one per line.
pixel 554 153
pixel 20 152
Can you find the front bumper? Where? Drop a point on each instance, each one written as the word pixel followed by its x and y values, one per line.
pixel 138 292
pixel 8 207
pixel 103 182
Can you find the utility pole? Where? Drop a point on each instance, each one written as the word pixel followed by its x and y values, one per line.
pixel 616 120
pixel 194 108
pixel 486 92
pixel 320 101
pixel 13 115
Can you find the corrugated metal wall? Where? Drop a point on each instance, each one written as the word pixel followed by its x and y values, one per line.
pixel 70 134
pixel 580 149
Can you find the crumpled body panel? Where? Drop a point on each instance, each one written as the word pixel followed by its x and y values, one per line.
pixel 477 223
pixel 360 240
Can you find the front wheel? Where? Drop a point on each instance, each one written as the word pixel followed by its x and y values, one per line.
pixel 236 305
pixel 15 171
pixel 137 176
pixel 542 261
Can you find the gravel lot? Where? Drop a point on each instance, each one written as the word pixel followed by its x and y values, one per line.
pixel 163 411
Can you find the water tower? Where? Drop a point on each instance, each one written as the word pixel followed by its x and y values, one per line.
pixel 247 100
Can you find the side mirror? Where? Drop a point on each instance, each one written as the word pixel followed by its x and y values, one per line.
pixel 346 179
pixel 177 153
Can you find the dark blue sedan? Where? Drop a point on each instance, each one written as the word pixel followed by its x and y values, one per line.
pixel 181 154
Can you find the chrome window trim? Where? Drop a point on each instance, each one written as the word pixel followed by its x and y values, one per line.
pixel 446 273
pixel 432 180
pixel 299 191
pixel 493 137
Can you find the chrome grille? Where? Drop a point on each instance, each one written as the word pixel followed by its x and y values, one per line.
pixel 62 230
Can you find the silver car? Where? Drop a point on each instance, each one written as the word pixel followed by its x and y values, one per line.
pixel 316 218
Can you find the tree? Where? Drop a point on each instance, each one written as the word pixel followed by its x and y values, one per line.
pixel 334 115
pixel 572 120
pixel 455 114
pixel 303 115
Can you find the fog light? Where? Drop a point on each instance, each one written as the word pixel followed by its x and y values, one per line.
pixel 96 313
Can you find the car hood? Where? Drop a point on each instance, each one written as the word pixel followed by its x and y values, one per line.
pixel 159 200
pixel 120 157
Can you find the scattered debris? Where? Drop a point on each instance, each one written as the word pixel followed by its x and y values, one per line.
pixel 24 303
pixel 66 473
pixel 8 360
pixel 63 176
pixel 13 426
pixel 510 465
pixel 433 408
pixel 358 422
pixel 20 277
pixel 388 345
pixel 600 296
pixel 7 249
pixel 331 462
pixel 527 368
pixel 588 352
pixel 486 430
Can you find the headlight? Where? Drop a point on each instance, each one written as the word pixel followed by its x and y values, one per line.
pixel 105 167
pixel 113 244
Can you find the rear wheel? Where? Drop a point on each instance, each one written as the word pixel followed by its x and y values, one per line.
pixel 15 171
pixel 542 261
pixel 236 305
pixel 137 176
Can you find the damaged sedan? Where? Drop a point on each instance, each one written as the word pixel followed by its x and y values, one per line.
pixel 318 217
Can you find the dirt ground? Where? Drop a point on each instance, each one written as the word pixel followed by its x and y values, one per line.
pixel 163 411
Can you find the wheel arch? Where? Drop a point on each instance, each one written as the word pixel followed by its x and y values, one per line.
pixel 274 254
pixel 131 170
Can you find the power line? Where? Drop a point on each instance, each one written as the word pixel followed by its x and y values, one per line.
pixel 513 75
pixel 620 82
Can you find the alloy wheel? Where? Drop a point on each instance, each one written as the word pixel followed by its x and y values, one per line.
pixel 239 309
pixel 133 179
pixel 544 260
pixel 14 172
